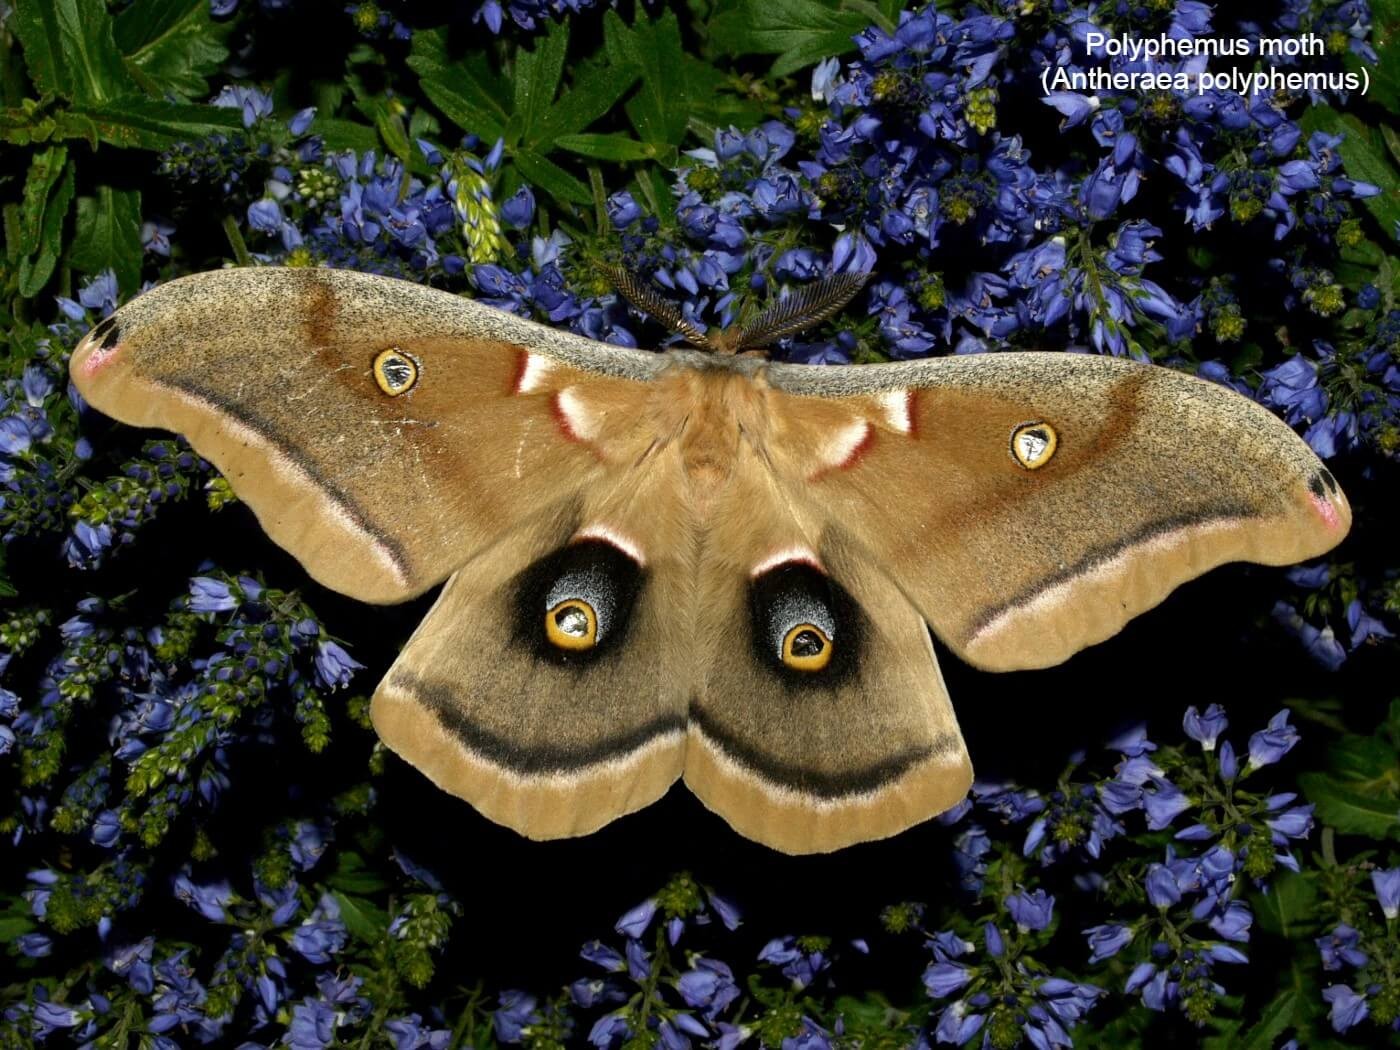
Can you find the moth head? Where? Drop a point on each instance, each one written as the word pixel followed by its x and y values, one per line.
pixel 1033 444
pixel 395 372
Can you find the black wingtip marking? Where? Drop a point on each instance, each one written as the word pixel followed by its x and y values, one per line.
pixel 441 700
pixel 817 782
pixel 108 331
pixel 1316 486
pixel 1329 481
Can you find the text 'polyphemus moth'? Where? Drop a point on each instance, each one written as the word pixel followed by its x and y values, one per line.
pixel 698 564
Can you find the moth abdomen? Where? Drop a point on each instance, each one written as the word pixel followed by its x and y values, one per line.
pixel 574 606
pixel 806 628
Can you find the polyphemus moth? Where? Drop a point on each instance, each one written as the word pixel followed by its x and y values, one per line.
pixel 699 564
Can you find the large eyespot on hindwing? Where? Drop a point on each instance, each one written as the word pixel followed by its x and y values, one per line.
pixel 395 372
pixel 806 628
pixel 573 606
pixel 1034 444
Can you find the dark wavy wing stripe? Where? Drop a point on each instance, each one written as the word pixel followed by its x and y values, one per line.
pixel 440 699
pixel 815 782
pixel 269 433
pixel 1107 552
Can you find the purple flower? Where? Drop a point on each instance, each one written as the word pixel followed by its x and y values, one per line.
pixel 1348 1008
pixel 727 912
pixel 518 211
pixel 1269 745
pixel 1075 108
pixel 956 1025
pixel 515 1014
pixel 1229 764
pixel 1364 626
pixel 635 922
pixel 1162 888
pixel 1164 804
pixel 1107 941
pixel 312 1026
pixel 208 595
pixel 334 666
pixel 944 978
pixel 265 216
pixel 1234 923
pixel 1031 911
pixel 254 104
pixel 1293 823
pixel 1205 728
pixel 1387 885
pixel 1341 947
pixel 301 120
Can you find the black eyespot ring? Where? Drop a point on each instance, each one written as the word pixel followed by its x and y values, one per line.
pixel 395 371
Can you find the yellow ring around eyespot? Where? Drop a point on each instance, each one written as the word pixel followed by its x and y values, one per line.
pixel 1042 430
pixel 390 367
pixel 562 638
pixel 814 662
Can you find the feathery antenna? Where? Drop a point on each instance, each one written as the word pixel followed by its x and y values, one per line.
pixel 801 310
pixel 645 298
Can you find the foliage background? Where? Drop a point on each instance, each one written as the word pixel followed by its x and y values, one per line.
pixel 203 843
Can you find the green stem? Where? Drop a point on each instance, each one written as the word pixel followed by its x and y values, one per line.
pixel 235 241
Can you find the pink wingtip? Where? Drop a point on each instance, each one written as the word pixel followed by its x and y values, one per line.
pixel 1327 511
pixel 98 359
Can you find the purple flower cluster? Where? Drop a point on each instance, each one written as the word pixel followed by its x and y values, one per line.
pixel 1190 917
pixel 1364 962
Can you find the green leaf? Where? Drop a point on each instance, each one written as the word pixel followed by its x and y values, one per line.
pixel 537 76
pixel 800 32
pixel 551 178
pixel 142 123
pixel 108 236
pixel 593 94
pixel 171 45
pixel 340 135
pixel 1365 763
pixel 35 273
pixel 659 110
pixel 1351 812
pixel 389 125
pixel 464 89
pixel 1385 39
pixel 45 170
pixel 1365 159
pixel 1275 1019
pixel 351 875
pixel 1289 908
pixel 608 147
pixel 69 49
pixel 13 928
pixel 365 920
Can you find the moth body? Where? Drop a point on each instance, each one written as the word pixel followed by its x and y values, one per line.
pixel 698 565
